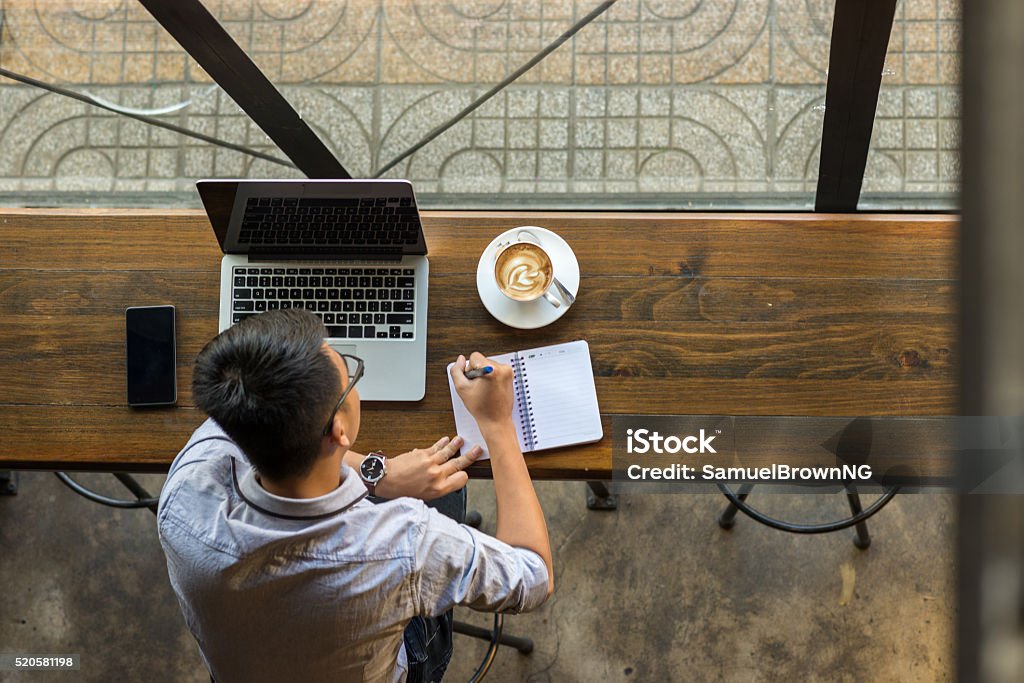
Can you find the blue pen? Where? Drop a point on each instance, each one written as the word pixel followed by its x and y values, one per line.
pixel 479 372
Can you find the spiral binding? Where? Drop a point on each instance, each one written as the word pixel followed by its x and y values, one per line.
pixel 524 403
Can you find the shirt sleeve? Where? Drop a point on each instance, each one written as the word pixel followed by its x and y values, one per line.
pixel 458 565
pixel 208 447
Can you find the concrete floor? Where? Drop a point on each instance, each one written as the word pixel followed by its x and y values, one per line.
pixel 652 592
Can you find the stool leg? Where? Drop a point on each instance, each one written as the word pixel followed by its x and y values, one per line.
pixel 727 519
pixel 599 497
pixel 8 483
pixel 862 540
pixel 524 645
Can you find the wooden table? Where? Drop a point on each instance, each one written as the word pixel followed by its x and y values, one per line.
pixel 744 314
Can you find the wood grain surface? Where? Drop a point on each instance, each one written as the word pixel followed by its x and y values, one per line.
pixel 748 314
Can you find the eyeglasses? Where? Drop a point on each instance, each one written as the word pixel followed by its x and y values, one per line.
pixel 353 377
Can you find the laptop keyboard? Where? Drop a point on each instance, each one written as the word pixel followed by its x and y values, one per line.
pixel 354 303
pixel 296 222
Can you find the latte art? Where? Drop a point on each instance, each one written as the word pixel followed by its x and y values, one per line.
pixel 523 271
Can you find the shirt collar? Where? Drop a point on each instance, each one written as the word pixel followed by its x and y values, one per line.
pixel 351 491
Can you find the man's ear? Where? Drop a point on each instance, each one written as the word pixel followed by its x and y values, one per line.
pixel 337 436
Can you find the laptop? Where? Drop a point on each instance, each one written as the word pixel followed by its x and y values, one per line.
pixel 350 251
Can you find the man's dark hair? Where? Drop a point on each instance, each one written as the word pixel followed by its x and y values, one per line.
pixel 269 384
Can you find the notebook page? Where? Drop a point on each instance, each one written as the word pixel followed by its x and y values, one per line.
pixel 562 396
pixel 465 425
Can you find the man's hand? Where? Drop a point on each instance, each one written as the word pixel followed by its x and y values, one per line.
pixel 489 397
pixel 428 473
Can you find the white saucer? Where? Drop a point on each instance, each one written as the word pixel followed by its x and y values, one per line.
pixel 527 315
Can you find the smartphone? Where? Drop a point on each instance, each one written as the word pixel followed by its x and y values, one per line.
pixel 150 351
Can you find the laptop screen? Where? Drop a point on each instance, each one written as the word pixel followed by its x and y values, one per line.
pixel 314 218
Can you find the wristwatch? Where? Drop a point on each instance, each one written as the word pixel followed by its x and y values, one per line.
pixel 372 469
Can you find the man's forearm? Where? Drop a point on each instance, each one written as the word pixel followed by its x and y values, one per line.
pixel 353 459
pixel 520 518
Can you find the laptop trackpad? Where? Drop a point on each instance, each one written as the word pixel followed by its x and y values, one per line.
pixel 343 348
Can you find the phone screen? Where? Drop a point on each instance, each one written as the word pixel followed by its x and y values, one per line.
pixel 151 356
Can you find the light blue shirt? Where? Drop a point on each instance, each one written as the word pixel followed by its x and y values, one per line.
pixel 319 589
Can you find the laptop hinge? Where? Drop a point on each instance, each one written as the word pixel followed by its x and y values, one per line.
pixel 381 254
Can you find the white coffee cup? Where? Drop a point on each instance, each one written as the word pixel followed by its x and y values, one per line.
pixel 524 271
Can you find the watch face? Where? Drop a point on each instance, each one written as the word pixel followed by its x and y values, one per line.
pixel 372 468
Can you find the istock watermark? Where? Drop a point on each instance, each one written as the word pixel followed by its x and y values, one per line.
pixel 646 441
pixel 697 453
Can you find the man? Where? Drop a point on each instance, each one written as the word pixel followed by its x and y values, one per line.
pixel 284 569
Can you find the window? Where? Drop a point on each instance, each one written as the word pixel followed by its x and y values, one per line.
pixel 677 104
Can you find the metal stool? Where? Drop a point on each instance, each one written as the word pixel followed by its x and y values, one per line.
pixel 858 517
pixel 494 635
pixel 496 638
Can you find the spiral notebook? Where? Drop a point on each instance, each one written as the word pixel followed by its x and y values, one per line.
pixel 555 399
